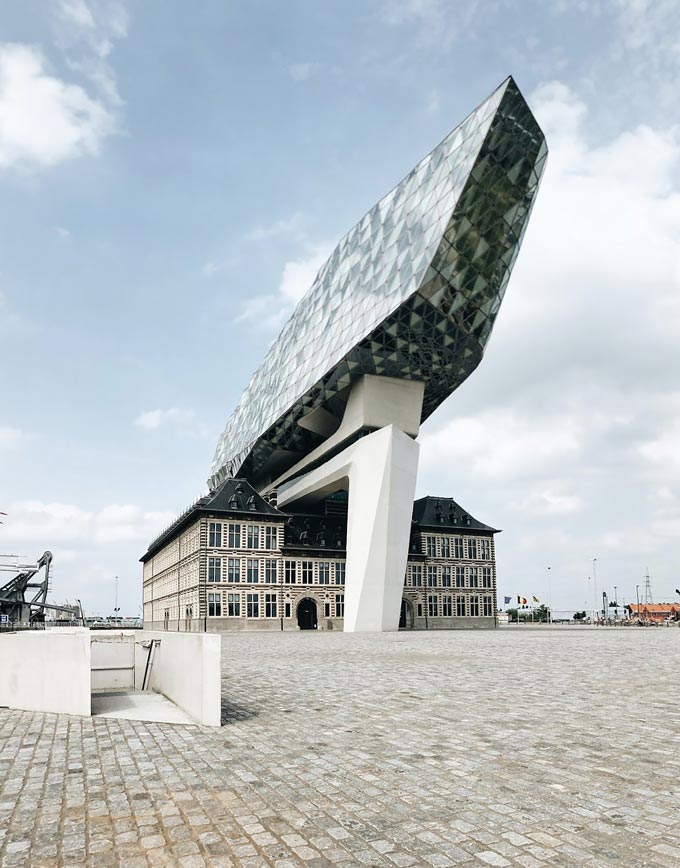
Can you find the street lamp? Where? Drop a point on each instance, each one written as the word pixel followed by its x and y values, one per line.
pixel 549 599
pixel 595 585
pixel 637 595
pixel 616 605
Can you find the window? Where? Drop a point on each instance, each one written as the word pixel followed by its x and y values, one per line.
pixel 327 609
pixel 324 573
pixel 460 577
pixel 339 605
pixel 472 549
pixel 473 577
pixel 252 570
pixel 447 605
pixel 485 549
pixel 287 609
pixel 416 575
pixel 253 605
pixel 474 606
pixel 432 605
pixel 431 546
pixel 166 618
pixel 446 577
pixel 252 537
pixel 234 605
pixel 487 607
pixel 214 569
pixel 460 606
pixel 339 572
pixel 457 547
pixel 307 572
pixel 271 538
pixel 486 577
pixel 215 605
pixel 234 536
pixel 431 577
pixel 234 569
pixel 214 535
pixel 270 605
pixel 419 610
pixel 270 571
pixel 289 572
pixel 445 544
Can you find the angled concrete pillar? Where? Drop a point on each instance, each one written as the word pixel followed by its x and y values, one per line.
pixel 379 471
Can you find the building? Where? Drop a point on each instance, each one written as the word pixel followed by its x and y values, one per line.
pixel 233 561
pixel 654 612
pixel 396 319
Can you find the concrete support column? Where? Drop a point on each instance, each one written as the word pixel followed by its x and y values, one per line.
pixel 380 473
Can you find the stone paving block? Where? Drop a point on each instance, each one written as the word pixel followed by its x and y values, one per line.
pixel 511 747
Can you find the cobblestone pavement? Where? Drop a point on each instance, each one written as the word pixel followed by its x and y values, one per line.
pixel 524 747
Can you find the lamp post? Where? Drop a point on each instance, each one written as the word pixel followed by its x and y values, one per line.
pixel 637 595
pixel 549 599
pixel 616 605
pixel 116 610
pixel 595 586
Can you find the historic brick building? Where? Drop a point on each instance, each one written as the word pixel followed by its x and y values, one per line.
pixel 233 561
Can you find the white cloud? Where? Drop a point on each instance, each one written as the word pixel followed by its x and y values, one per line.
pixel 433 23
pixel 269 312
pixel 87 32
pixel 549 502
pixel 55 523
pixel 44 120
pixel 304 71
pixel 151 420
pixel 504 444
pixel 292 226
pixel 216 266
pixel 10 321
pixel 10 437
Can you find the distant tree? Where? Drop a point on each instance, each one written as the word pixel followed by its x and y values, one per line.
pixel 512 615
pixel 541 614
pixel 579 616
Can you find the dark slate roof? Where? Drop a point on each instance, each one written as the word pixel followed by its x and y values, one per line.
pixel 316 532
pixel 235 497
pixel 444 512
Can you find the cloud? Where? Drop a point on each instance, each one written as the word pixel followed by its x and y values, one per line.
pixel 292 226
pixel 269 312
pixel 151 420
pixel 10 437
pixel 44 120
pixel 11 323
pixel 543 502
pixel 504 444
pixel 216 266
pixel 54 523
pixel 87 32
pixel 304 71
pixel 433 24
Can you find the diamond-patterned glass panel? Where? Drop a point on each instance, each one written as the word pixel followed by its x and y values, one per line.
pixel 412 291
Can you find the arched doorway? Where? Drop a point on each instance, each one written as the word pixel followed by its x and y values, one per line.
pixel 306 614
pixel 406 615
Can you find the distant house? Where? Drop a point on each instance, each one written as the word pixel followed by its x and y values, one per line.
pixel 657 612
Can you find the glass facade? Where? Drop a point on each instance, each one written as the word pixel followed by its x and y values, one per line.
pixel 412 291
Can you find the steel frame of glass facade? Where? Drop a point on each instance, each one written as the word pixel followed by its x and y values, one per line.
pixel 411 292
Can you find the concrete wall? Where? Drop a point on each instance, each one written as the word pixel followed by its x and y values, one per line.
pixel 46 671
pixel 186 669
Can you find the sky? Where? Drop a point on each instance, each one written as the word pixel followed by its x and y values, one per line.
pixel 172 176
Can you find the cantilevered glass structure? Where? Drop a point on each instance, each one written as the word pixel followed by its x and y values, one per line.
pixel 411 292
